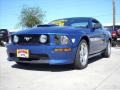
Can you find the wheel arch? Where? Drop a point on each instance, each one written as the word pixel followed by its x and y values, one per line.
pixel 76 57
pixel 87 40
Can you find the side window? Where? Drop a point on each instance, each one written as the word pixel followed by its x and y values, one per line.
pixel 95 22
pixel 80 24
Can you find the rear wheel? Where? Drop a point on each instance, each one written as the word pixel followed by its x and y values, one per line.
pixel 81 60
pixel 114 43
pixel 107 51
pixel 2 43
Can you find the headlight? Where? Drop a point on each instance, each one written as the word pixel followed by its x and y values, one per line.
pixel 64 40
pixel 61 39
pixel 15 39
pixel 43 38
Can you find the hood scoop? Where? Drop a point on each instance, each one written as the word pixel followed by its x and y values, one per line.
pixel 46 25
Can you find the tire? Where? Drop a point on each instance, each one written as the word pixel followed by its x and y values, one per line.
pixel 81 60
pixel 2 43
pixel 114 43
pixel 22 64
pixel 107 51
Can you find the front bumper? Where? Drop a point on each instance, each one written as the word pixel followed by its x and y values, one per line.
pixel 53 57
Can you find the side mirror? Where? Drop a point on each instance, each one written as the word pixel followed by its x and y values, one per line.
pixel 96 26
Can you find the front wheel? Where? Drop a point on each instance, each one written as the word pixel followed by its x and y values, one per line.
pixel 81 60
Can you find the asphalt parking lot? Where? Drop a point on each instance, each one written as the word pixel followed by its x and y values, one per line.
pixel 101 74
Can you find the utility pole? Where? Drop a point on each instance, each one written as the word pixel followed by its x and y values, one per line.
pixel 114 18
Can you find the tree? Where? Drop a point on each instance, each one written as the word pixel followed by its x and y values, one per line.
pixel 31 16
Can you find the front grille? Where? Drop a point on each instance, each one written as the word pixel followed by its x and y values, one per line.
pixel 30 39
pixel 12 55
pixel 32 57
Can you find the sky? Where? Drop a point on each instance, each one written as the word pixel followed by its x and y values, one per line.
pixel 56 9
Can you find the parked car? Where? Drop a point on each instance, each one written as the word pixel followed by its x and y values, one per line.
pixel 115 34
pixel 3 36
pixel 63 41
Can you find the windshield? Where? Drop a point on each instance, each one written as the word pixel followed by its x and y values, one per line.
pixel 74 22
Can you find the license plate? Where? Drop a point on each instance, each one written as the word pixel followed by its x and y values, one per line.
pixel 23 53
pixel 118 38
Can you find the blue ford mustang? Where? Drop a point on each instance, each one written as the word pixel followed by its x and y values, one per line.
pixel 62 41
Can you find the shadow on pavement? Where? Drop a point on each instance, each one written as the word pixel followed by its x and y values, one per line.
pixel 96 58
pixel 44 67
pixel 52 68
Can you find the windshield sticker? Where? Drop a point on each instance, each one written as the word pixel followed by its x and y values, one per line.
pixel 59 22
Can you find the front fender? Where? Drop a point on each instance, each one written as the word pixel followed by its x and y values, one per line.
pixel 77 37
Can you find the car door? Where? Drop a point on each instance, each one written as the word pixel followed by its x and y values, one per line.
pixel 97 38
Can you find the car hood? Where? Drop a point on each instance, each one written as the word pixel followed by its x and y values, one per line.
pixel 50 30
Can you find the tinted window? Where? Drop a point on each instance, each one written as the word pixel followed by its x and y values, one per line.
pixel 74 22
pixel 111 27
pixel 95 22
pixel 117 27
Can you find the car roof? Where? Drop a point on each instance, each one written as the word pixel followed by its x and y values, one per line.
pixel 3 30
